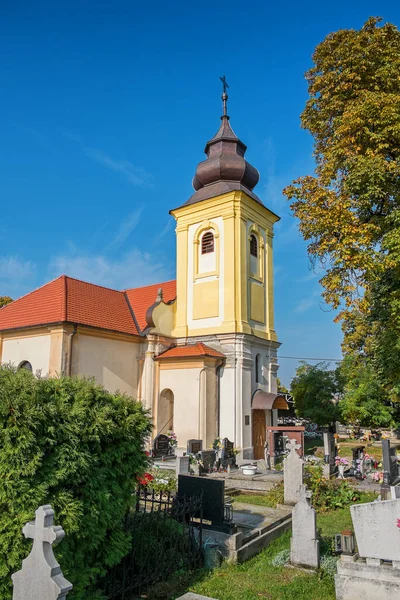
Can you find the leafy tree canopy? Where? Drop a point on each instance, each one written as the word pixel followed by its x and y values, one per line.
pixel 351 203
pixel 281 388
pixel 314 388
pixel 5 300
pixel 365 401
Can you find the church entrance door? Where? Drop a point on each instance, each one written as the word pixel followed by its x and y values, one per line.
pixel 259 433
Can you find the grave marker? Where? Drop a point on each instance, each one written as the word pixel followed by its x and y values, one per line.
pixel 330 454
pixel 390 469
pixel 213 493
pixel 304 547
pixel 293 466
pixel 182 465
pixel 208 458
pixel 161 446
pixel 194 446
pixel 228 457
pixel 40 577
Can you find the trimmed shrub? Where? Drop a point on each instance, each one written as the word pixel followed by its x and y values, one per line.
pixel 69 443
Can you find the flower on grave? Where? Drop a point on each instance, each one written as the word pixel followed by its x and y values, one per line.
pixel 145 479
pixel 341 461
pixel 377 476
pixel 217 444
pixel 172 439
pixel 398 523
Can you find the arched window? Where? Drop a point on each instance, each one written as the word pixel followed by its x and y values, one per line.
pixel 207 243
pixel 25 365
pixel 253 246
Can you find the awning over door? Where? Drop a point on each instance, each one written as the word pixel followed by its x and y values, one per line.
pixel 268 401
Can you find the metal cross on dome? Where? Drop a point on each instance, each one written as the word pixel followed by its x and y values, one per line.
pixel 224 84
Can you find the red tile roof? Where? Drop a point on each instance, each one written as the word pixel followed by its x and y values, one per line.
pixel 142 298
pixel 70 300
pixel 191 350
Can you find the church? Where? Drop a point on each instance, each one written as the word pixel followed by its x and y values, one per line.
pixel 199 352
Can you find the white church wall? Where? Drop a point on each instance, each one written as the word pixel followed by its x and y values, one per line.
pixel 112 362
pixel 184 384
pixel 227 401
pixel 34 349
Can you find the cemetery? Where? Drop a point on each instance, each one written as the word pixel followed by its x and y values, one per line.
pixel 148 448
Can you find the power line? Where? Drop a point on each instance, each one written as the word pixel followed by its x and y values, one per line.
pixel 306 358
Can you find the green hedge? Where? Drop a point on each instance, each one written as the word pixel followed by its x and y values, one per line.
pixel 69 443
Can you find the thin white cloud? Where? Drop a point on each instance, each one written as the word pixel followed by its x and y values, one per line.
pixel 304 305
pixel 126 227
pixel 16 276
pixel 165 230
pixel 309 277
pixel 135 175
pixel 133 269
pixel 12 268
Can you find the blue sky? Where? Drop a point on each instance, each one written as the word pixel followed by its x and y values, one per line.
pixel 106 108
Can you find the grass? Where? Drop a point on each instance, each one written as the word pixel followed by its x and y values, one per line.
pixel 311 446
pixel 258 578
pixel 346 449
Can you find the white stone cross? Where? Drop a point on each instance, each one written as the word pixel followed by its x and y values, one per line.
pixel 42 530
pixel 40 577
pixel 305 494
pixel 292 445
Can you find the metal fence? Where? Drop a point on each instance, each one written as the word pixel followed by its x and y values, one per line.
pixel 166 538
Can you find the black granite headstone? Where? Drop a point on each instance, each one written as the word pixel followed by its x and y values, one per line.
pixel 161 446
pixel 194 446
pixel 228 457
pixel 390 469
pixel 213 494
pixel 208 458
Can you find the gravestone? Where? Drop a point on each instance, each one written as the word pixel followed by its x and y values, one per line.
pixel 228 457
pixel 213 493
pixel 304 546
pixel 208 458
pixel 357 464
pixel 395 492
pixel 390 469
pixel 194 446
pixel 40 577
pixel 330 453
pixel 293 466
pixel 161 446
pixel 182 465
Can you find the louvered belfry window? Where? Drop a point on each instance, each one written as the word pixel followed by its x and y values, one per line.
pixel 253 246
pixel 207 243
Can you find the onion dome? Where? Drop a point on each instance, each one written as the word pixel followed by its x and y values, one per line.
pixel 225 168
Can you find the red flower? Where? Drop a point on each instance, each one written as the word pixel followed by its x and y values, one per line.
pixel 398 523
pixel 145 479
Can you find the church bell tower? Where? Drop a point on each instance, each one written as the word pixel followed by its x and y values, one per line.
pixel 224 246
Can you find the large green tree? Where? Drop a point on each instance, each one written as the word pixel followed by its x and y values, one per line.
pixel 351 202
pixel 315 389
pixel 349 208
pixel 365 400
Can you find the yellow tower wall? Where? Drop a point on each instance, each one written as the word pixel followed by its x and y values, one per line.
pixel 237 295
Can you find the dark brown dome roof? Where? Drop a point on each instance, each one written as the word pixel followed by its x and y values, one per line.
pixel 225 168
